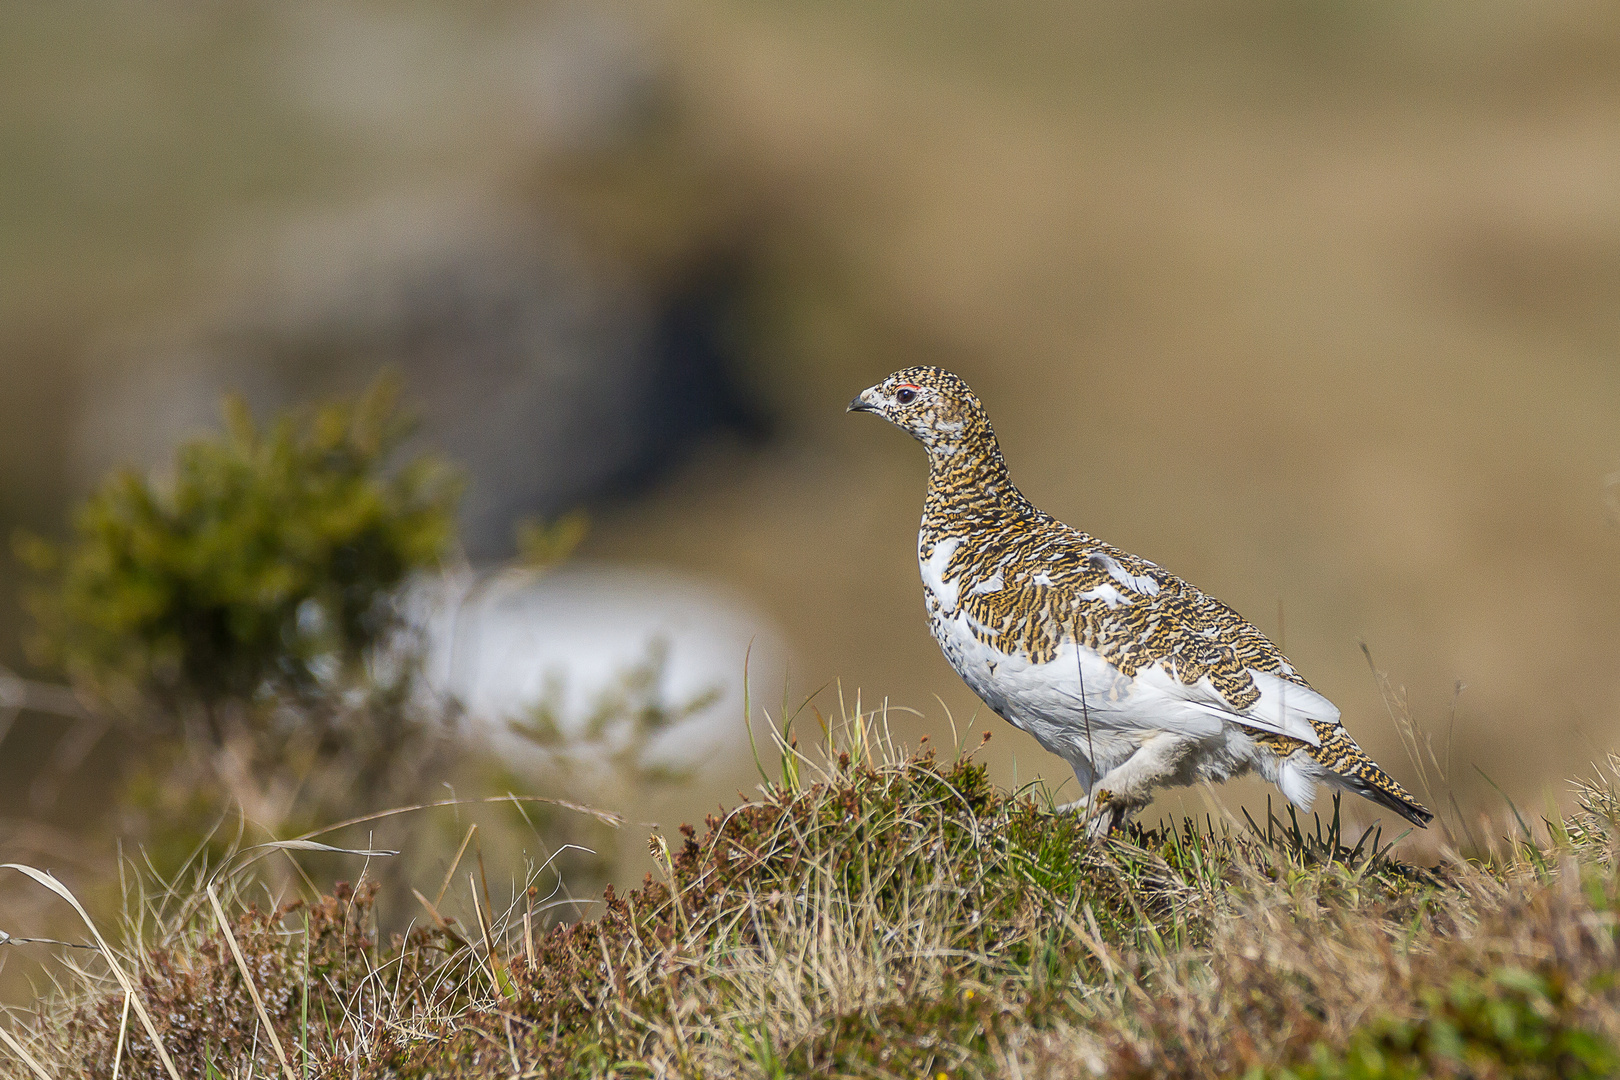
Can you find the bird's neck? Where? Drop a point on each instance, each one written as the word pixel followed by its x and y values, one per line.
pixel 968 480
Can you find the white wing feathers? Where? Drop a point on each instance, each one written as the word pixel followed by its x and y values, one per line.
pixel 1284 708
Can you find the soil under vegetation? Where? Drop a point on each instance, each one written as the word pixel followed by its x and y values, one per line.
pixel 879 916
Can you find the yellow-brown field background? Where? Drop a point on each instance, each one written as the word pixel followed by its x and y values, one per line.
pixel 1316 304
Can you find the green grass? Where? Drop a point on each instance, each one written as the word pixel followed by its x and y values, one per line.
pixel 887 915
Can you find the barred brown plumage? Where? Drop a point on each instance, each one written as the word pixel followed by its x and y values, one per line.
pixel 1130 674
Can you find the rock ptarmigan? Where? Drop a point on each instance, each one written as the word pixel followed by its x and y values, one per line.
pixel 1131 675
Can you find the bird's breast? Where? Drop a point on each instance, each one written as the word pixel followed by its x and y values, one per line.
pixel 942 588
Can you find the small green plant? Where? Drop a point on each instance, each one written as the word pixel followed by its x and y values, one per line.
pixel 542 544
pixel 264 564
pixel 622 721
pixel 600 757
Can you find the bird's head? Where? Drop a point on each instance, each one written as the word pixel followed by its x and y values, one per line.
pixel 935 406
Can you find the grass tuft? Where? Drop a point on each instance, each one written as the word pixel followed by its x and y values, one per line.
pixel 875 913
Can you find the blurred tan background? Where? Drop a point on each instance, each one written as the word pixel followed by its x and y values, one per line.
pixel 1315 304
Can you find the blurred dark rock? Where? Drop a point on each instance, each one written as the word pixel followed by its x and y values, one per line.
pixel 552 380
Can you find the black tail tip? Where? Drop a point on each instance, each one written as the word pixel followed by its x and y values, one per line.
pixel 1417 815
pixel 1411 810
pixel 1402 803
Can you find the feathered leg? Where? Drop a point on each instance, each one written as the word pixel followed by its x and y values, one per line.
pixel 1129 786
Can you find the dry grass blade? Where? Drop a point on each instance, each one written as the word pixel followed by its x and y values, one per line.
pixel 262 850
pixel 123 1032
pixel 483 927
pixel 606 817
pixel 253 991
pixel 439 921
pixel 528 937
pixel 27 1059
pixel 17 692
pixel 444 886
pixel 11 939
pixel 502 985
pixel 315 845
pixel 106 954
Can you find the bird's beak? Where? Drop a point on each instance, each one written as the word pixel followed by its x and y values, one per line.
pixel 862 402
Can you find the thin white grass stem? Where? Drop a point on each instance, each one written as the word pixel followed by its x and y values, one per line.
pixel 253 991
pixel 511 1046
pixel 123 1030
pixel 528 937
pixel 483 928
pixel 61 890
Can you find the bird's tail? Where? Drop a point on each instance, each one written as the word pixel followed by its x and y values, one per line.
pixel 1349 767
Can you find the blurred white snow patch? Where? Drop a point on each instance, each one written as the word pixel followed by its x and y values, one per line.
pixel 510 646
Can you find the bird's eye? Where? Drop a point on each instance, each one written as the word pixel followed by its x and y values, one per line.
pixel 905 396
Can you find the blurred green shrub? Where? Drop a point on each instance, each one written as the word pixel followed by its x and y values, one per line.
pixel 265 564
pixel 238 618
